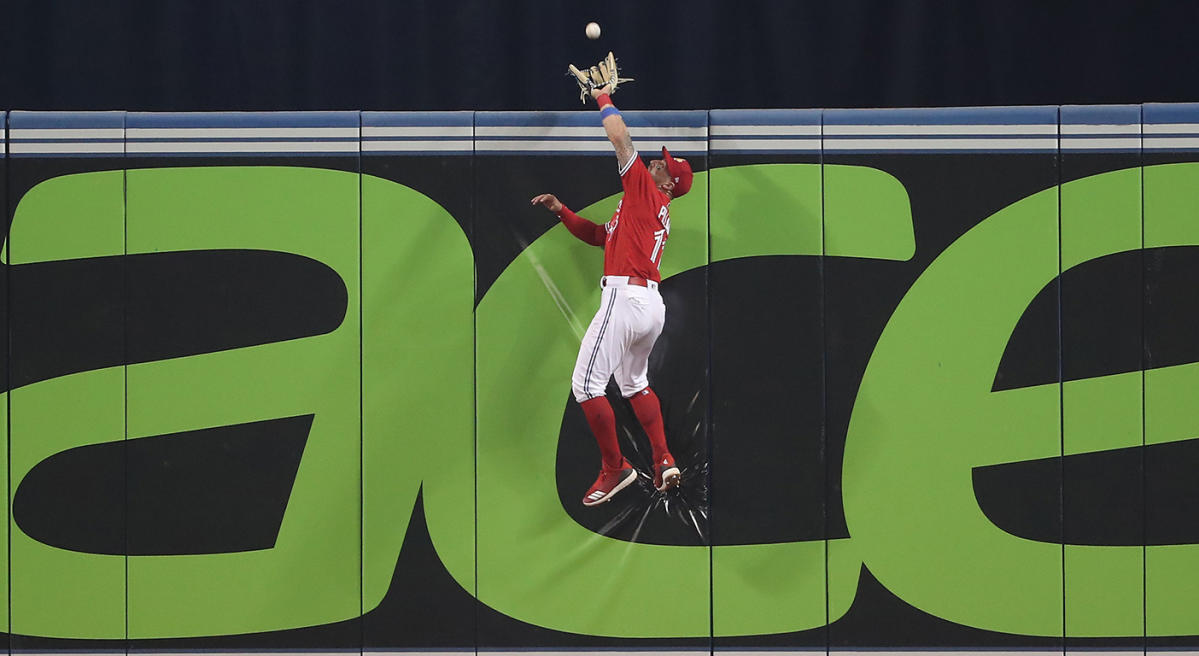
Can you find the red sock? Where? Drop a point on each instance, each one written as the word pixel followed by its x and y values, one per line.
pixel 603 425
pixel 649 413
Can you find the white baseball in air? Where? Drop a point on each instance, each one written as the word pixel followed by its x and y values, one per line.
pixel 593 30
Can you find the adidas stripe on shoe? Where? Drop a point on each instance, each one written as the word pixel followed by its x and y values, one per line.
pixel 609 482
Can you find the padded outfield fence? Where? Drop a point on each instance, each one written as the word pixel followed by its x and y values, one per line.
pixel 301 382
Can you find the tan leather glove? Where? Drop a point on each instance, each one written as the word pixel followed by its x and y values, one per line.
pixel 605 73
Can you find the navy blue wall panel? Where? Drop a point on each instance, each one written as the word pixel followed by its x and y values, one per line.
pixel 66 300
pixel 768 452
pixel 1101 288
pixel 418 429
pixel 1171 159
pixel 919 329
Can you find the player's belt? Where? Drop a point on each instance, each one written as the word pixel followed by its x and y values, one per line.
pixel 617 281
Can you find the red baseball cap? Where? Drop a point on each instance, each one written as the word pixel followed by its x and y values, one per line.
pixel 679 171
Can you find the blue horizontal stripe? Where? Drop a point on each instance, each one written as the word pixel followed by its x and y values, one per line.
pixel 417 119
pixel 1101 114
pixel 666 119
pixel 765 117
pixel 943 116
pixel 548 119
pixel 1171 113
pixel 244 120
pixel 18 120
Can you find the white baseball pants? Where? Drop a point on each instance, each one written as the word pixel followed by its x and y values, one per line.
pixel 619 340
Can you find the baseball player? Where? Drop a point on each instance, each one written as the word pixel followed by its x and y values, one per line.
pixel 622 334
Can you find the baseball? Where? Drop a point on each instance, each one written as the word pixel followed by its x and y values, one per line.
pixel 593 31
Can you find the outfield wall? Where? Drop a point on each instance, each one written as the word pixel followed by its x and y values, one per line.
pixel 301 382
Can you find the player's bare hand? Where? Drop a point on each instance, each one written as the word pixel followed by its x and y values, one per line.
pixel 549 202
pixel 597 92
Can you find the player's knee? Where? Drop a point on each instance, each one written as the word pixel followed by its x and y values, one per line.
pixel 582 392
pixel 627 390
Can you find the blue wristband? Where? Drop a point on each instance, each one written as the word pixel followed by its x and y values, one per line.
pixel 610 110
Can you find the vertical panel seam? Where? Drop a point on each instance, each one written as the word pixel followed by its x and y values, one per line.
pixel 828 634
pixel 8 389
pixel 361 420
pixel 1061 404
pixel 711 401
pixel 474 333
pixel 1144 363
pixel 125 344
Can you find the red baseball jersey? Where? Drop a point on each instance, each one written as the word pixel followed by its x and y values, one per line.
pixel 637 232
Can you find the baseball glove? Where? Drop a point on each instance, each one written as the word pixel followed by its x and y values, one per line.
pixel 602 74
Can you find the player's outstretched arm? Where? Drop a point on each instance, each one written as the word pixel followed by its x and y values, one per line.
pixel 618 132
pixel 592 233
